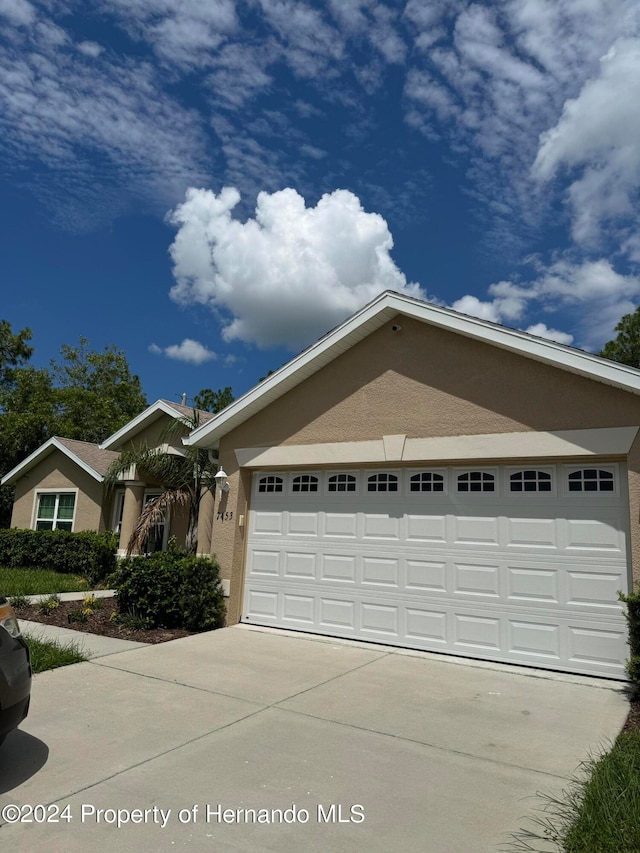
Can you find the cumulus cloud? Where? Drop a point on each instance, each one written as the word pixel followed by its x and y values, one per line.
pixel 17 12
pixel 540 330
pixel 189 350
pixel 289 273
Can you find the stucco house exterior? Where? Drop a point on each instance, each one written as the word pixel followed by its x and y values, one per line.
pixel 62 484
pixel 429 480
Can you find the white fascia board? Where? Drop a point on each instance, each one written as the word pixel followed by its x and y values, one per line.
pixel 136 424
pixel 613 441
pixel 372 317
pixel 40 453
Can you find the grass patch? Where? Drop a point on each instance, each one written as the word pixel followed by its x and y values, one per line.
pixel 47 654
pixel 38 582
pixel 599 811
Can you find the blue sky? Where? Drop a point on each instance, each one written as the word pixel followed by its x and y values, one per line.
pixel 211 185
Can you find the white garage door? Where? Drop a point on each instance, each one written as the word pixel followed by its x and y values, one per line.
pixel 516 564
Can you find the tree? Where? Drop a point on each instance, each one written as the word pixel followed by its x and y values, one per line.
pixel 96 393
pixel 14 350
pixel 87 395
pixel 186 478
pixel 213 401
pixel 625 347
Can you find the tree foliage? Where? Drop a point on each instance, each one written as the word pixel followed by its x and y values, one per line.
pixel 86 395
pixel 213 401
pixel 625 347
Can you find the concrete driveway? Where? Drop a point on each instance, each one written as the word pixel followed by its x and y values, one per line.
pixel 360 748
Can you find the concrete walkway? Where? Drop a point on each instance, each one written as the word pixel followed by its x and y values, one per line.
pixel 346 747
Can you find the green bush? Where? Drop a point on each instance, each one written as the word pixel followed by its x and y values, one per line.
pixel 633 619
pixel 171 589
pixel 92 555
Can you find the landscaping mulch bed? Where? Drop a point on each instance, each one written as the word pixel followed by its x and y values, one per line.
pixel 633 720
pixel 99 622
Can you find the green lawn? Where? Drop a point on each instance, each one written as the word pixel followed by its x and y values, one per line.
pixel 36 581
pixel 46 654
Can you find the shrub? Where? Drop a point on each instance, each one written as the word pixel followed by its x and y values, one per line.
pixel 92 555
pixel 633 619
pixel 171 589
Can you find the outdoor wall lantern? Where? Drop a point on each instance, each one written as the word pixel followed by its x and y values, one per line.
pixel 221 481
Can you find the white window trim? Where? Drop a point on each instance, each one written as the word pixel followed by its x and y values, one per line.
pixel 52 491
pixel 337 495
pixel 307 494
pixel 377 493
pixel 118 510
pixel 260 474
pixel 425 469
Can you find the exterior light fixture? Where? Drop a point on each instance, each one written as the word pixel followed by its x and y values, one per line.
pixel 221 480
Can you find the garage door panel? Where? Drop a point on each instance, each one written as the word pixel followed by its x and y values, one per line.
pixel 532 533
pixel 380 526
pixel 533 584
pixel 299 565
pixel 534 639
pixel 478 632
pixel 477 580
pixel 532 580
pixel 475 530
pixel 380 619
pixel 426 528
pixel 338 567
pixel 380 571
pixel 426 575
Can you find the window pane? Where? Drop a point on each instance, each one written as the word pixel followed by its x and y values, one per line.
pixel 63 525
pixel 65 507
pixel 44 525
pixel 47 506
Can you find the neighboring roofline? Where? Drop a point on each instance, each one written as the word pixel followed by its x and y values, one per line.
pixel 136 424
pixel 42 451
pixel 374 315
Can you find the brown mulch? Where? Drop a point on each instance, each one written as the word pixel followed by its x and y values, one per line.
pixel 99 622
pixel 633 720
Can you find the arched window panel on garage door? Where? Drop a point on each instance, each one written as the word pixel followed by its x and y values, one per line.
pixel 530 480
pixel 342 482
pixel 477 481
pixel 426 481
pixel 270 483
pixel 304 483
pixel 592 479
pixel 382 482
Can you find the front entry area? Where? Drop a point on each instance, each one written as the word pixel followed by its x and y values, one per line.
pixel 519 564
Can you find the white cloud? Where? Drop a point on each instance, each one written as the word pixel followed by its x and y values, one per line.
pixel 592 290
pixel 288 274
pixel 540 330
pixel 598 133
pixel 17 12
pixel 90 48
pixel 189 350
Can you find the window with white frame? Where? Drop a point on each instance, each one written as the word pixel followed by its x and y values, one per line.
pixel 270 483
pixel 304 483
pixel 530 481
pixel 382 483
pixel 157 532
pixel 55 511
pixel 427 481
pixel 341 483
pixel 118 512
pixel 591 480
pixel 476 481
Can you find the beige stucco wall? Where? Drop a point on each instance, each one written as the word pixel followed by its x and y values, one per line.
pixel 57 472
pixel 423 382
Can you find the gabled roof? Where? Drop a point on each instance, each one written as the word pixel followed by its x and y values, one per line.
pixel 150 414
pixel 380 311
pixel 90 457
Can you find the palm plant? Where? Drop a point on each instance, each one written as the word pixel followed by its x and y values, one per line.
pixel 185 474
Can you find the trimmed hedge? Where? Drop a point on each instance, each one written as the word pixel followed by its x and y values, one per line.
pixel 171 589
pixel 633 619
pixel 92 555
